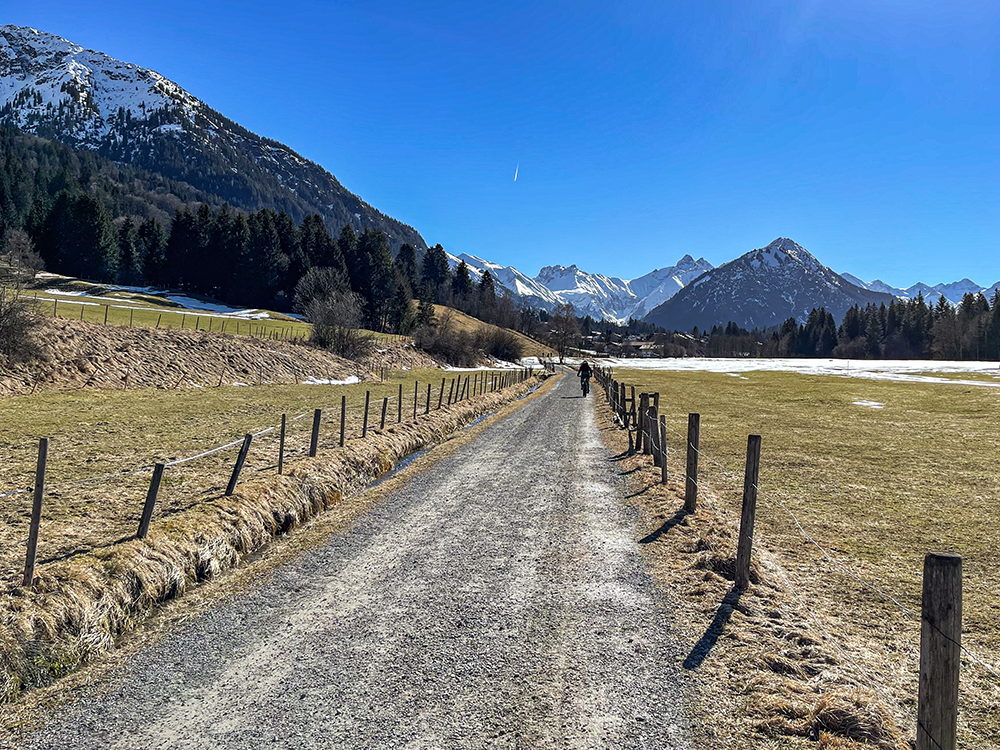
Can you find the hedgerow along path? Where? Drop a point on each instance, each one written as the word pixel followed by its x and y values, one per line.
pixel 497 600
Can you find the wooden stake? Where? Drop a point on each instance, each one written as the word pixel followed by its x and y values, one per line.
pixel 691 475
pixel 36 512
pixel 343 420
pixel 940 652
pixel 663 450
pixel 385 407
pixel 749 514
pixel 314 440
pixel 441 394
pixel 240 460
pixel 427 408
pixel 364 424
pixel 147 509
pixel 281 447
pixel 399 405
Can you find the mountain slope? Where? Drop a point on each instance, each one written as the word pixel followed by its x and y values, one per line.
pixel 55 89
pixel 762 288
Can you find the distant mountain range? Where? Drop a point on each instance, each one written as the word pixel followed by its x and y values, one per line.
pixel 601 297
pixel 952 292
pixel 53 88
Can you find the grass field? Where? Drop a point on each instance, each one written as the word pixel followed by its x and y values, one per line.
pixel 877 487
pixel 104 444
pixel 95 303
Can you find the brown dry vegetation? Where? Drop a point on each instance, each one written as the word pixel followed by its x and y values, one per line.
pixel 78 355
pixel 877 489
pixel 462 322
pixel 94 592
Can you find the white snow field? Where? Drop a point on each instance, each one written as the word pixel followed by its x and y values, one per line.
pixel 896 370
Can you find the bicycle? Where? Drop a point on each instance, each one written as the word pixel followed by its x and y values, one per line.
pixel 585 386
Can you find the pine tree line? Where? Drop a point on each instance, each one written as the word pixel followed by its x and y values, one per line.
pixel 909 329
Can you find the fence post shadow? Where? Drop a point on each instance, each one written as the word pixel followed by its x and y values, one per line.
pixel 674 520
pixel 704 645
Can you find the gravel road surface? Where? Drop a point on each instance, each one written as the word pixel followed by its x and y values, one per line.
pixel 496 601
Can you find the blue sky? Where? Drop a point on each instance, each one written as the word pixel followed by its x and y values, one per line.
pixel 866 130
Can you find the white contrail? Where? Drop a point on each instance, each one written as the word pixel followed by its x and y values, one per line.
pixel 515 171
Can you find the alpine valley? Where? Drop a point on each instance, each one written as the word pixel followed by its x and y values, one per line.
pixel 51 88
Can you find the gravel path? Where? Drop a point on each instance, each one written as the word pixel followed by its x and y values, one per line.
pixel 497 600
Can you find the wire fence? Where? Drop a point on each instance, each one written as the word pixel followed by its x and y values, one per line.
pixel 87 513
pixel 627 417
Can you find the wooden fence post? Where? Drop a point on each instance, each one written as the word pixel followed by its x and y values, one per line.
pixel 385 407
pixel 364 424
pixel 663 450
pixel 281 447
pixel 940 652
pixel 749 514
pixel 416 395
pixel 400 404
pixel 36 512
pixel 441 394
pixel 343 420
pixel 106 308
pixel 640 437
pixel 451 391
pixel 240 460
pixel 427 408
pixel 147 509
pixel 654 434
pixel 691 475
pixel 314 440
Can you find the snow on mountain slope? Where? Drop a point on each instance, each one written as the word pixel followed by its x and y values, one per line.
pixel 53 88
pixel 762 288
pixel 602 297
pixel 657 287
pixel 952 292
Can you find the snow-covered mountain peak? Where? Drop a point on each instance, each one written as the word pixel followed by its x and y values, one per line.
pixel 56 89
pixel 782 251
pixel 41 73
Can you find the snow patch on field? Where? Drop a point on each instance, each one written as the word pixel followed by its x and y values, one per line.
pixel 869 404
pixel 897 371
pixel 312 380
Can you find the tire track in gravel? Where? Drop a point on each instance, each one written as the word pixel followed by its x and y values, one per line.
pixel 496 600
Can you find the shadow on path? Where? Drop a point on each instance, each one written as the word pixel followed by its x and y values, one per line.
pixel 701 649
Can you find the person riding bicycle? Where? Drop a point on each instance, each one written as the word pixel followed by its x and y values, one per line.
pixel 584 375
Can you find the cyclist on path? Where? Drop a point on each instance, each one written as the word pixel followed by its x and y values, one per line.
pixel 584 375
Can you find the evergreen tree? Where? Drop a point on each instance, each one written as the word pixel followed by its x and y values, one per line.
pixel 129 260
pixel 152 252
pixel 488 300
pixel 406 262
pixel 436 273
pixel 461 285
pixel 425 312
pixel 79 238
pixel 374 276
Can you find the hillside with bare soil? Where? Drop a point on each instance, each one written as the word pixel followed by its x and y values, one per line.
pixel 77 354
